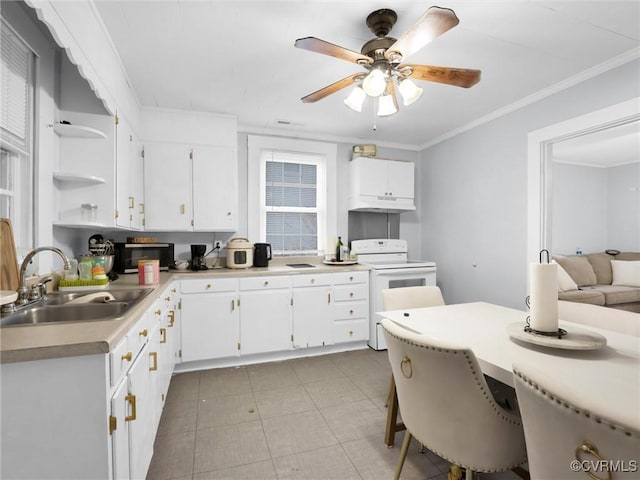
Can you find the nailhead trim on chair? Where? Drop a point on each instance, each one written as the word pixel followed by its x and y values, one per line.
pixel 488 396
pixel 567 405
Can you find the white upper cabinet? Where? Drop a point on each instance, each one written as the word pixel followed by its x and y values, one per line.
pixel 381 185
pixel 167 187
pixel 190 171
pixel 215 188
pixel 129 178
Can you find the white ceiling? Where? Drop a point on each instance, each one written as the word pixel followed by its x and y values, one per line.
pixel 237 57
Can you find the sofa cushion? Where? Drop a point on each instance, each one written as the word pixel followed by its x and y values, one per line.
pixel 584 296
pixel 628 256
pixel 626 272
pixel 601 263
pixel 614 294
pixel 565 282
pixel 578 267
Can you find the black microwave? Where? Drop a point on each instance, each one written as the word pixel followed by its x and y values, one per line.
pixel 127 255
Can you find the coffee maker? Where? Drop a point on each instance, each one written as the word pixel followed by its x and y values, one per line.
pixel 197 257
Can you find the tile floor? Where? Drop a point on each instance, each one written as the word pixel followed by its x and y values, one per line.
pixel 309 418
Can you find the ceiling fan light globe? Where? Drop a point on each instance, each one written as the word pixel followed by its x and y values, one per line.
pixel 355 99
pixel 387 106
pixel 375 83
pixel 410 91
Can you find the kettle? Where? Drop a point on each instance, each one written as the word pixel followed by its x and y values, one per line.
pixel 262 254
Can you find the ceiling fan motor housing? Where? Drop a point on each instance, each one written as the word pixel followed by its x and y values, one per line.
pixel 381 21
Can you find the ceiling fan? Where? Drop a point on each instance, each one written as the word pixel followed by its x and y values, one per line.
pixel 382 57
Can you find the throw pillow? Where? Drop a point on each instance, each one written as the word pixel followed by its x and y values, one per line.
pixel 578 268
pixel 565 282
pixel 626 272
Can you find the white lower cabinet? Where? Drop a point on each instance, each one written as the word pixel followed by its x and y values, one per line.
pixel 265 314
pixel 227 317
pixel 351 306
pixel 312 310
pixel 210 320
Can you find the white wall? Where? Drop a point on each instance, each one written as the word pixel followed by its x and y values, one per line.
pixel 579 210
pixel 474 192
pixel 623 208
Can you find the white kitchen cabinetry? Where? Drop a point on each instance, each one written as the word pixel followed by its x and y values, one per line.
pixel 351 306
pixel 190 188
pixel 312 310
pixel 265 314
pixel 215 189
pixel 129 178
pixel 167 187
pixel 381 184
pixel 210 319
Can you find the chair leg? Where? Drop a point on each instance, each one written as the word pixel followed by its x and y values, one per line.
pixel 403 454
pixel 391 392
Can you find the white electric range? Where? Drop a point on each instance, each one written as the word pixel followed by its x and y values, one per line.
pixel 390 268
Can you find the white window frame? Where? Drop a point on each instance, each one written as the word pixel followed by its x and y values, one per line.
pixel 21 158
pixel 327 217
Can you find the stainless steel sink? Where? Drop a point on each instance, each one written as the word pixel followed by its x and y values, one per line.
pixel 56 308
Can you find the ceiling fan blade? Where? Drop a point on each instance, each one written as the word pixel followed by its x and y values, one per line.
pixel 333 88
pixel 314 44
pixel 431 25
pixel 460 77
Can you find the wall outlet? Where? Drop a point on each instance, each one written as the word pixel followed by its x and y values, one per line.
pixel 218 244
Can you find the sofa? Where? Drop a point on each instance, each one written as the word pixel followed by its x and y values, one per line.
pixel 608 279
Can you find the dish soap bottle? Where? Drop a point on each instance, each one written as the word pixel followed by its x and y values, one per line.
pixel 339 250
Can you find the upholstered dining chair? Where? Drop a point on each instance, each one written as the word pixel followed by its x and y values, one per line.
pixel 447 406
pixel 607 318
pixel 564 439
pixel 397 299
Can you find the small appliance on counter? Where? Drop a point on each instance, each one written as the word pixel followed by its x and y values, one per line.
pixel 239 253
pixel 197 257
pixel 127 255
pixel 262 254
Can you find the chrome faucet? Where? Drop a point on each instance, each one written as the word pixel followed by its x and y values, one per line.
pixel 23 292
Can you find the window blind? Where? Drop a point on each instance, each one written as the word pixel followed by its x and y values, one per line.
pixel 16 65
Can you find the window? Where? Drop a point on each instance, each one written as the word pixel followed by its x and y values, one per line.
pixel 16 162
pixel 293 208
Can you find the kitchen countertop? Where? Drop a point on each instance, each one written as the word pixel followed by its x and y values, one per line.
pixel 45 341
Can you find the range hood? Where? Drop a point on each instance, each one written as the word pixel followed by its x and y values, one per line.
pixel 381 204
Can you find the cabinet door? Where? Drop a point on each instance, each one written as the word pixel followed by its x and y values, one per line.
pixel 215 189
pixel 400 179
pixel 265 321
pixel 372 175
pixel 312 316
pixel 210 326
pixel 120 435
pixel 136 184
pixel 167 187
pixel 140 415
pixel 124 138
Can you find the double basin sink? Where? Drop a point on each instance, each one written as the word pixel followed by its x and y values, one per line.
pixel 71 307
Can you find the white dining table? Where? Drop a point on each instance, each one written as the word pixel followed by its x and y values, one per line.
pixel 606 377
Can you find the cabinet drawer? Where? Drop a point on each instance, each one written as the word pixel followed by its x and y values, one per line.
pixel 265 283
pixel 350 292
pixel 350 277
pixel 119 360
pixel 139 334
pixel 350 310
pixel 311 280
pixel 350 331
pixel 204 285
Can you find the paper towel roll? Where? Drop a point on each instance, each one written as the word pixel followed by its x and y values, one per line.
pixel 543 280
